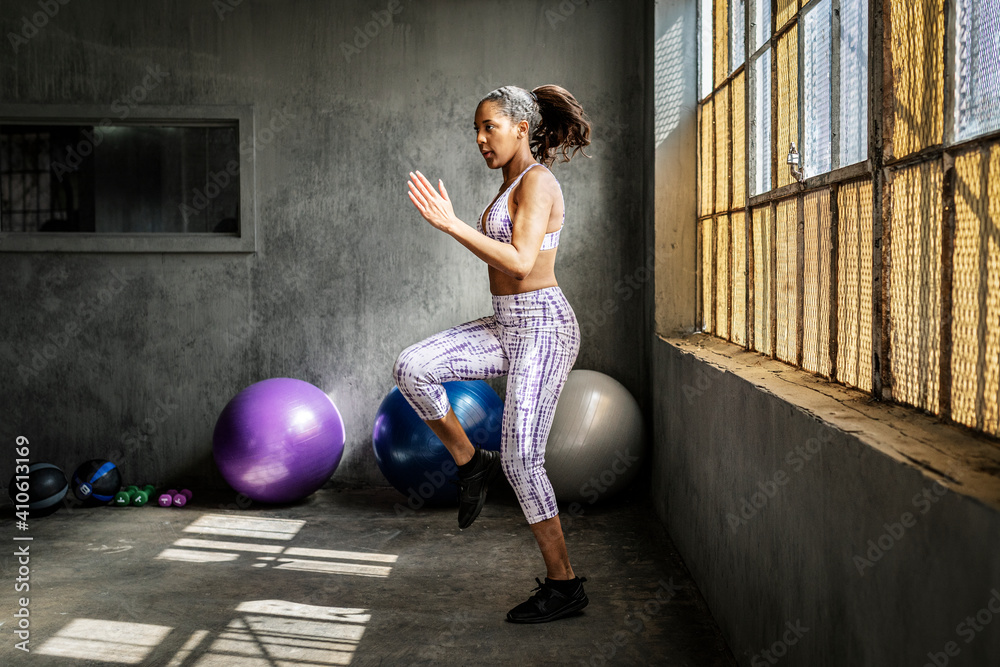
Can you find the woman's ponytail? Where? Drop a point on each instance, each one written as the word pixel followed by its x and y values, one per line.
pixel 563 126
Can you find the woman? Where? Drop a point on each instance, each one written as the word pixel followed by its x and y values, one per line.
pixel 532 337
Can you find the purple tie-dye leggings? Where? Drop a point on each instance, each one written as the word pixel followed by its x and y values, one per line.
pixel 533 338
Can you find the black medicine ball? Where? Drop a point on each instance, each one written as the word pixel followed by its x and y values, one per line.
pixel 97 481
pixel 46 487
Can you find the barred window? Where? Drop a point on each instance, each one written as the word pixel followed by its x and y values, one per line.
pixel 853 82
pixel 834 85
pixel 875 265
pixel 761 121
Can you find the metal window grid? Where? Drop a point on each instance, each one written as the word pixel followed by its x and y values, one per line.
pixel 886 271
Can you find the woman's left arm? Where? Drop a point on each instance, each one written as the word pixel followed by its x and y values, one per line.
pixel 516 258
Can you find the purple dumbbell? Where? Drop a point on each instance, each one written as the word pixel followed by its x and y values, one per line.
pixel 167 499
pixel 181 498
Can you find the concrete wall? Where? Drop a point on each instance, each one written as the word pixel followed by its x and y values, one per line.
pixel 675 178
pixel 346 273
pixel 796 502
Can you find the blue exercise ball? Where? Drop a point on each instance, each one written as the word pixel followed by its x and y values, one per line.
pixel 414 460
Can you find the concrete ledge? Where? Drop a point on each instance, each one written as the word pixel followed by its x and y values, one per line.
pixel 824 529
pixel 959 458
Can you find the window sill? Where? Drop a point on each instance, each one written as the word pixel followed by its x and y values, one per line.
pixel 848 173
pixel 962 460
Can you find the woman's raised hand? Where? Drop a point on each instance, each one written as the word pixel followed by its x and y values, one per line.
pixel 434 206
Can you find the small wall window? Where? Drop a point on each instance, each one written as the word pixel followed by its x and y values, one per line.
pixel 136 184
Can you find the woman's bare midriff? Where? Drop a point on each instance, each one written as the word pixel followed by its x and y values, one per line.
pixel 541 276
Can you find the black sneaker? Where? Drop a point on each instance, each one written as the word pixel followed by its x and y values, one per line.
pixel 548 604
pixel 472 487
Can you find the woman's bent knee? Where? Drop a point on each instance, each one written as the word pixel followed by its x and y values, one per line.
pixel 407 368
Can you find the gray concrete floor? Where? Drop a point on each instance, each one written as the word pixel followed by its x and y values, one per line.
pixel 345 578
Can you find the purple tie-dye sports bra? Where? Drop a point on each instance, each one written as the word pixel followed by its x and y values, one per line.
pixel 499 225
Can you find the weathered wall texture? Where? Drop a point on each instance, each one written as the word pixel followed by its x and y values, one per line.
pixel 787 510
pixel 346 274
pixel 675 177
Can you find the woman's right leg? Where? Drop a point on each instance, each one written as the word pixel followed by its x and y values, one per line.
pixel 470 351
pixel 449 430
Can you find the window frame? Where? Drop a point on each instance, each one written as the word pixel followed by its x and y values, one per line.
pixel 100 242
pixel 880 169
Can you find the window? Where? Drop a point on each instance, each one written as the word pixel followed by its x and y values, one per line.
pixel 977 63
pixel 834 85
pixel 760 96
pixel 853 135
pixel 70 182
pixel 817 117
pixel 705 48
pixel 760 28
pixel 28 200
pixel 761 122
pixel 737 26
pixel 119 178
pixel 878 265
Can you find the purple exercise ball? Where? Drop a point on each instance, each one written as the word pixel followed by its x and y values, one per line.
pixel 278 440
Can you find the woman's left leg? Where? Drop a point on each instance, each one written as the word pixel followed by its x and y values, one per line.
pixel 548 533
pixel 542 341
pixel 540 360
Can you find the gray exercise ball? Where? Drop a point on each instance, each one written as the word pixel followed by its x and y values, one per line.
pixel 597 439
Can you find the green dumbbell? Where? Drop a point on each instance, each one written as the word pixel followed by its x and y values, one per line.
pixel 142 496
pixel 125 497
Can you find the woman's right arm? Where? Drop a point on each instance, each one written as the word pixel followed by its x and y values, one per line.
pixel 516 258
